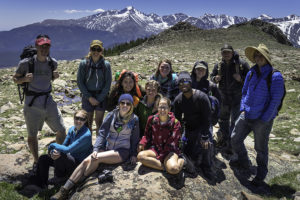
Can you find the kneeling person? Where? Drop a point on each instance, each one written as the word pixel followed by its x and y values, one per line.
pixel 195 107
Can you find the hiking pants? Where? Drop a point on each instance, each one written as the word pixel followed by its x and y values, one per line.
pixel 63 166
pixel 228 116
pixel 261 132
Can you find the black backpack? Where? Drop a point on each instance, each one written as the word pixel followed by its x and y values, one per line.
pixel 29 52
pixel 269 83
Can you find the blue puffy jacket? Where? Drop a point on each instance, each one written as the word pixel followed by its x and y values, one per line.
pixel 258 101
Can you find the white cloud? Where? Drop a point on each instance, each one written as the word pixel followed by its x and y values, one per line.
pixel 84 11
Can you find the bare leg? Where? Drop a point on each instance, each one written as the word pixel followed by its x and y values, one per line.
pixel 89 165
pixel 173 163
pixel 33 147
pixel 90 117
pixel 148 158
pixel 60 137
pixel 98 120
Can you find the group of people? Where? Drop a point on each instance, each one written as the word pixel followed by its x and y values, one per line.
pixel 167 125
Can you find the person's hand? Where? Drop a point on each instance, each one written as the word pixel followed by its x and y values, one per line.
pixel 217 78
pixel 93 101
pixel 237 77
pixel 205 144
pixel 140 148
pixel 55 75
pixel 94 155
pixel 55 154
pixel 133 160
pixel 28 77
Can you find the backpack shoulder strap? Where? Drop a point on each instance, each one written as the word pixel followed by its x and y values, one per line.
pixel 51 63
pixel 31 65
pixel 269 78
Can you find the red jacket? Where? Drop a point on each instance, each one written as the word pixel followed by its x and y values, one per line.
pixel 163 139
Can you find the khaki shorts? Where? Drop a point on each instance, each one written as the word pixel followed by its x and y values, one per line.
pixel 35 118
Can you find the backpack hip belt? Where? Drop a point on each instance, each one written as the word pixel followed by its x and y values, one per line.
pixel 37 94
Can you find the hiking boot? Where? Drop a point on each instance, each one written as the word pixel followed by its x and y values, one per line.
pixel 257 182
pixel 188 164
pixel 208 173
pixel 180 178
pixel 57 180
pixel 34 169
pixel 62 194
pixel 240 164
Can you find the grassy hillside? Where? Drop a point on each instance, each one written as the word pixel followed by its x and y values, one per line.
pixel 184 46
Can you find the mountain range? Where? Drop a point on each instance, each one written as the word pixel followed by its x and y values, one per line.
pixel 71 37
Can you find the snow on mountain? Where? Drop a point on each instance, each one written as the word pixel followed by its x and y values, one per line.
pixel 264 17
pixel 290 26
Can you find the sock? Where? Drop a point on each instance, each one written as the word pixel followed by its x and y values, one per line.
pixel 69 184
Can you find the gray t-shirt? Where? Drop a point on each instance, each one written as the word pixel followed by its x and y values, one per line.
pixel 41 82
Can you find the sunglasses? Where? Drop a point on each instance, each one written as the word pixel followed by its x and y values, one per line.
pixel 123 103
pixel 184 82
pixel 79 119
pixel 96 49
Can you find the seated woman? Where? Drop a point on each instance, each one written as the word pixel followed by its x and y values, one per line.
pixel 127 83
pixel 148 105
pixel 167 79
pixel 158 148
pixel 116 142
pixel 65 157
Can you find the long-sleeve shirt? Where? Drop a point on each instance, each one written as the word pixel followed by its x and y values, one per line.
pixel 197 112
pixel 79 144
pixel 163 138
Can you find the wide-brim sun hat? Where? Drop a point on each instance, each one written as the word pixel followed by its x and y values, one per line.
pixel 263 49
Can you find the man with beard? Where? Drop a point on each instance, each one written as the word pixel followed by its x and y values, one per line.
pixel 229 74
pixel 192 108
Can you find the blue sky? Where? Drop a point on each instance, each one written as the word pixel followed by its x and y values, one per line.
pixel 15 13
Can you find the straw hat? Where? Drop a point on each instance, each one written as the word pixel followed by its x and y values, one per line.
pixel 249 52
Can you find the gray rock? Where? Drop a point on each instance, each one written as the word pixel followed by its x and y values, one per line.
pixel 297 139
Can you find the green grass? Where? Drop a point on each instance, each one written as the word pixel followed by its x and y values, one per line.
pixel 284 186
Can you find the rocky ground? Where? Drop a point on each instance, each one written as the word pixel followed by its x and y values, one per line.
pixel 138 182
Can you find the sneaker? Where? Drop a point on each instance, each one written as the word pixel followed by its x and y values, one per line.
pixel 57 180
pixel 188 164
pixel 62 194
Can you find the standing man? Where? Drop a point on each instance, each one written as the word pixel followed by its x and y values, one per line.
pixel 230 73
pixel 37 72
pixel 195 107
pixel 261 97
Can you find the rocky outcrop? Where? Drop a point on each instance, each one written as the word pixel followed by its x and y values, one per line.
pixel 268 28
